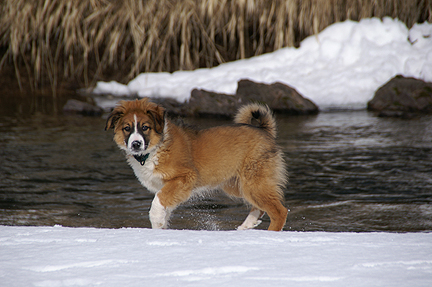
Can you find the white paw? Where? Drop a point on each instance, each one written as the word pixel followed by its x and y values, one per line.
pixel 252 220
pixel 159 215
pixel 249 225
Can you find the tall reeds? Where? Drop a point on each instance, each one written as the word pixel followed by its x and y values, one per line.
pixel 56 40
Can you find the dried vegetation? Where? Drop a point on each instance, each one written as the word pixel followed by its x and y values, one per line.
pixel 51 41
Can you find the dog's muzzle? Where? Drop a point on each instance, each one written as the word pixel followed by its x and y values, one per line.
pixel 136 146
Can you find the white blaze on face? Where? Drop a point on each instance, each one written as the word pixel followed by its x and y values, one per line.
pixel 136 142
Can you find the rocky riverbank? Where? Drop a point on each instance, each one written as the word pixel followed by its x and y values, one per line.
pixel 400 97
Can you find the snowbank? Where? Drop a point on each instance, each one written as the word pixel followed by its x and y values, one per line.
pixel 59 256
pixel 341 67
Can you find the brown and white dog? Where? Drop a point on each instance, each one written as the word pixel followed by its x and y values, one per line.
pixel 175 161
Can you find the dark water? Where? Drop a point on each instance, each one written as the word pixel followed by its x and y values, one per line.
pixel 349 171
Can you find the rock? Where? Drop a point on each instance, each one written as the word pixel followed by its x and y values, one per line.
pixel 171 105
pixel 205 103
pixel 82 108
pixel 402 97
pixel 279 97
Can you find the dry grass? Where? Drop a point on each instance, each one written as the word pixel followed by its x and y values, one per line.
pixel 85 41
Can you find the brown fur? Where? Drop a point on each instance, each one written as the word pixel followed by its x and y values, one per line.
pixel 242 159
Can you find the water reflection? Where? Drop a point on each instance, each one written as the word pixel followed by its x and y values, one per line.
pixel 349 171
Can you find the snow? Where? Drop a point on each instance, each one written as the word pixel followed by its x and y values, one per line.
pixel 341 67
pixel 61 256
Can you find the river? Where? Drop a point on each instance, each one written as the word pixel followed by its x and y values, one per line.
pixel 349 171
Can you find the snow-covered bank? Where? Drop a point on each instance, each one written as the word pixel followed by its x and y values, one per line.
pixel 59 256
pixel 341 67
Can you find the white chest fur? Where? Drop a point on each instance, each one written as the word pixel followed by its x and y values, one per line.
pixel 145 173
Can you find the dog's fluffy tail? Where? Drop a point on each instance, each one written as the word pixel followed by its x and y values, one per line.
pixel 259 113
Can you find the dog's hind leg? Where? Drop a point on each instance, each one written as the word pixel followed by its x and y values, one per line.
pixel 231 187
pixel 277 213
pixel 266 197
pixel 252 220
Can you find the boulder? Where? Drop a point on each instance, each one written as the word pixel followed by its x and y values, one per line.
pixel 279 97
pixel 171 105
pixel 402 97
pixel 205 103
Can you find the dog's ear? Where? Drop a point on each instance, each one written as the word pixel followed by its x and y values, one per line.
pixel 114 117
pixel 158 115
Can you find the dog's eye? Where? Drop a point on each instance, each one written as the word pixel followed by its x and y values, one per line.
pixel 127 128
pixel 145 128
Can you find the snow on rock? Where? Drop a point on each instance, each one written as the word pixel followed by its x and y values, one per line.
pixel 60 256
pixel 341 67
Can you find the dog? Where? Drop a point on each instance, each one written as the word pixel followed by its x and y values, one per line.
pixel 175 161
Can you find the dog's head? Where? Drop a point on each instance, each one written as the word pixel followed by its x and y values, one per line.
pixel 138 125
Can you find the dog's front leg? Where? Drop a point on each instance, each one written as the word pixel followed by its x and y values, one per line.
pixel 173 193
pixel 159 214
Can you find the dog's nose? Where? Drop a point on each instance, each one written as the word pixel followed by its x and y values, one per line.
pixel 136 145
